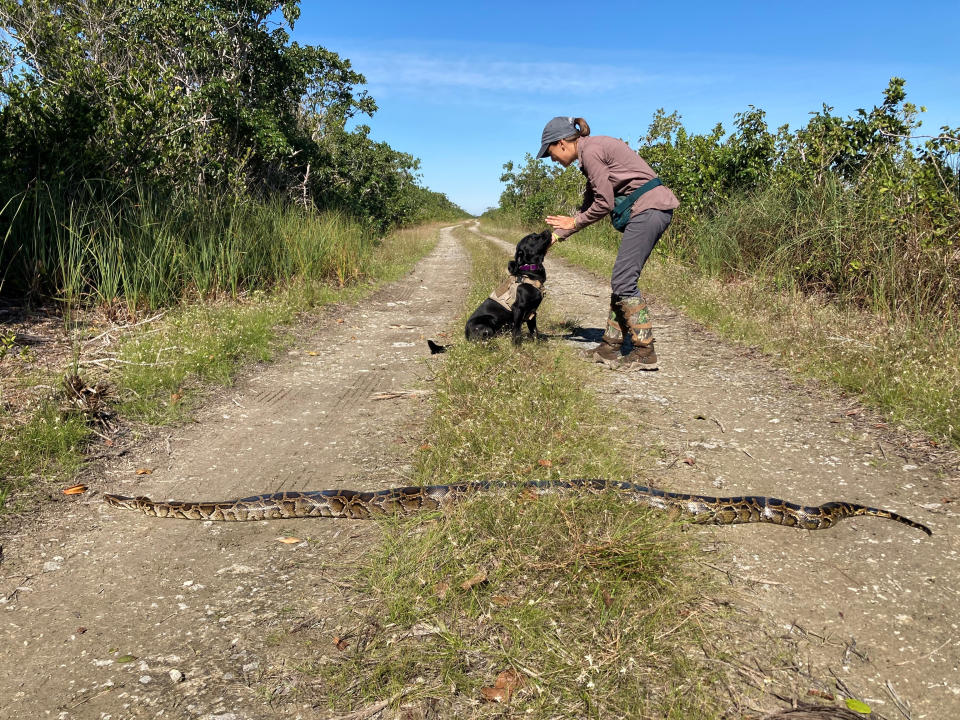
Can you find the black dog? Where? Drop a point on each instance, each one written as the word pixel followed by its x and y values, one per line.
pixel 515 301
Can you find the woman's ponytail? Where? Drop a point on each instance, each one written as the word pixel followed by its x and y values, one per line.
pixel 582 129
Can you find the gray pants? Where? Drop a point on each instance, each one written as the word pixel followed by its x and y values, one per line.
pixel 638 241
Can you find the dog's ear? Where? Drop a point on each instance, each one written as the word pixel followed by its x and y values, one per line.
pixel 512 266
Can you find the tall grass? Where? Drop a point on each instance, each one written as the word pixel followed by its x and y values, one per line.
pixel 861 250
pixel 147 250
pixel 157 371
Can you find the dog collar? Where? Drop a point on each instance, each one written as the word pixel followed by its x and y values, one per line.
pixel 530 268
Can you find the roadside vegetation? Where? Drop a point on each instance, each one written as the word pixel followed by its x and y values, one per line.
pixel 552 606
pixel 835 246
pixel 176 181
pixel 155 370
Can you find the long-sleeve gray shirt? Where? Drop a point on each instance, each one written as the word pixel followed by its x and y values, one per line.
pixel 612 168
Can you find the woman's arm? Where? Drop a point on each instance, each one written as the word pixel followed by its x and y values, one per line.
pixel 597 197
pixel 598 200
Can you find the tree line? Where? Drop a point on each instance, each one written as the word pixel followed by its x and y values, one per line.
pixel 105 101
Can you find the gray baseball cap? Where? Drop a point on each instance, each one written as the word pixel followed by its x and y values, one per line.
pixel 557 129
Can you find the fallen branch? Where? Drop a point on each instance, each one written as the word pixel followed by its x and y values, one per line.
pixel 125 327
pixel 391 394
pixel 100 363
pixel 371 710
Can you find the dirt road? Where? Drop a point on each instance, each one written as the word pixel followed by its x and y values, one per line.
pixel 109 614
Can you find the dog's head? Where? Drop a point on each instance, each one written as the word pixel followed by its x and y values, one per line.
pixel 530 253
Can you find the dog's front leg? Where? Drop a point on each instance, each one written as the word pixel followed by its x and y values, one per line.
pixel 532 327
pixel 518 318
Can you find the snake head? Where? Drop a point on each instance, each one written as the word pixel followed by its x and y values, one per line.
pixel 127 503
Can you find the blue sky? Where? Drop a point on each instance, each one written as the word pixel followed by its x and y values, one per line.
pixel 466 87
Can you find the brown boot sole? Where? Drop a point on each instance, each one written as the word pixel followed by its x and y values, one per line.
pixel 636 366
pixel 629 363
pixel 594 355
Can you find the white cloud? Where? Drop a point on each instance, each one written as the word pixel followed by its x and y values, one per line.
pixel 410 72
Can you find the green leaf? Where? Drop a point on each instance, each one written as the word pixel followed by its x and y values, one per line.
pixel 126 658
pixel 858 706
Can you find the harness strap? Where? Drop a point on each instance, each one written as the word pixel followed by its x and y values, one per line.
pixel 506 294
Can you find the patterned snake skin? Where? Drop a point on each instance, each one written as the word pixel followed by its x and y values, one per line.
pixel 408 500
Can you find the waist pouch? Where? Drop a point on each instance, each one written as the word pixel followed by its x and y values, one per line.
pixel 620 215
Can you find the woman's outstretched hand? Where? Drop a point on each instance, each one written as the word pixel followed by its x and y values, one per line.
pixel 560 222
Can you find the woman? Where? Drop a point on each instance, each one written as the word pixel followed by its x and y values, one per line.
pixel 614 170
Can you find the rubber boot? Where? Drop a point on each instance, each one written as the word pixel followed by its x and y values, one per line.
pixel 608 351
pixel 642 356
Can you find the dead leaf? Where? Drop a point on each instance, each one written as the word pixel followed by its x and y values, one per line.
pixel 480 577
pixel 426 446
pixel 689 461
pixel 441 589
pixel 340 643
pixel 529 495
pixel 495 694
pixel 502 690
pixel 289 540
pixel 607 600
pixel 77 489
pixel 176 397
pixel 855 411
pixel 339 320
pixel 144 471
pixel 503 600
pixel 545 463
pixel 312 352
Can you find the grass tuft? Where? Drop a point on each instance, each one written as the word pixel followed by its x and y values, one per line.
pixel 49 443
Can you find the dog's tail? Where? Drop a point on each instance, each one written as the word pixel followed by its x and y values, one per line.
pixel 435 348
